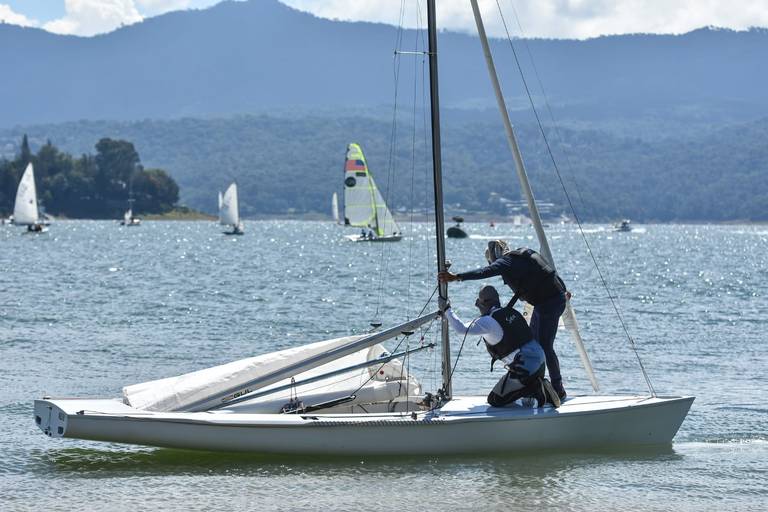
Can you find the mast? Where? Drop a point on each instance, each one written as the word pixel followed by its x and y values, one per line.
pixel 569 316
pixel 438 183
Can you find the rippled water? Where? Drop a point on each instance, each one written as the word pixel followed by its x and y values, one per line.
pixel 90 307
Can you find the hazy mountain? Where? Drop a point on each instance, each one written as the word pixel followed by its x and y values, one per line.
pixel 258 56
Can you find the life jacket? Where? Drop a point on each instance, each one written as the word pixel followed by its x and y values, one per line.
pixel 516 333
pixel 540 281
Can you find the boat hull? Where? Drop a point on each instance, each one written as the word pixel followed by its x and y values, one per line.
pixel 358 238
pixel 465 426
pixel 456 232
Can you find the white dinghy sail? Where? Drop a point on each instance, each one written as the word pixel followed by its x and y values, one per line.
pixel 229 210
pixel 335 208
pixel 364 207
pixel 25 211
pixel 232 408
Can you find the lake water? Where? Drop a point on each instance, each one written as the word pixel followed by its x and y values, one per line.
pixel 90 307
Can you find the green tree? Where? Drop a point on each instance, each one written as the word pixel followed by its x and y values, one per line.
pixel 117 161
pixel 26 154
pixel 155 191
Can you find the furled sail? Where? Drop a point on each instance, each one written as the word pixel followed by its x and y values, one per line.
pixel 25 208
pixel 128 215
pixel 229 209
pixel 211 387
pixel 363 204
pixel 376 383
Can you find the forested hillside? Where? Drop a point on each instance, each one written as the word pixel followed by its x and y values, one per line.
pixel 287 165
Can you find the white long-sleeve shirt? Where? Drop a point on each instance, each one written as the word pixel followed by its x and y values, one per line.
pixel 484 326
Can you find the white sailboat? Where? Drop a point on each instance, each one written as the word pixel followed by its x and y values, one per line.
pixel 25 209
pixel 335 208
pixel 364 207
pixel 229 210
pixel 348 396
pixel 129 219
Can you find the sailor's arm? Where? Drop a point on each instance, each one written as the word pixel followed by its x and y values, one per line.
pixel 484 326
pixel 494 269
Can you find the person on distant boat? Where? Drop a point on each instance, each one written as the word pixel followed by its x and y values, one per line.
pixel 508 339
pixel 533 280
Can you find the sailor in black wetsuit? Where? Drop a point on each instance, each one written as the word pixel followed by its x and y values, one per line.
pixel 533 280
pixel 508 339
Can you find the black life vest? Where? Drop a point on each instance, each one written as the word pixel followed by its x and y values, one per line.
pixel 540 281
pixel 516 333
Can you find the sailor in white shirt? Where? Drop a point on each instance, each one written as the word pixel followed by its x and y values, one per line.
pixel 508 339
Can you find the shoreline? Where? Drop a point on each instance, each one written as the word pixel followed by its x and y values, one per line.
pixel 201 217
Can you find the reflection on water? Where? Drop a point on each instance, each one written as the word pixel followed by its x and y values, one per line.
pixel 100 462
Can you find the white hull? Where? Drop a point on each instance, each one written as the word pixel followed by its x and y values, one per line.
pixel 467 425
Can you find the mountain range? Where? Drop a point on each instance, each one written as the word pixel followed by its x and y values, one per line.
pixel 653 127
pixel 261 55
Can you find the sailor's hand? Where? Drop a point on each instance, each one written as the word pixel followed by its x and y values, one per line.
pixel 443 304
pixel 447 277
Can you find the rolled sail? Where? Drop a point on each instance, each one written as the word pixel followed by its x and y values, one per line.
pixel 212 387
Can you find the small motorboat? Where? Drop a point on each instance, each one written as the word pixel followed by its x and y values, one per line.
pixel 456 231
pixel 624 226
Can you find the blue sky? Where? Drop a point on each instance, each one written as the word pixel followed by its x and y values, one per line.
pixel 542 18
pixel 43 10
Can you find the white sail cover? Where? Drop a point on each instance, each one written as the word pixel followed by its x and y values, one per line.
pixel 363 204
pixel 335 207
pixel 229 209
pixel 177 393
pixel 25 208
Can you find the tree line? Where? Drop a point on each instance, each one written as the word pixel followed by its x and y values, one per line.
pixel 287 164
pixel 90 186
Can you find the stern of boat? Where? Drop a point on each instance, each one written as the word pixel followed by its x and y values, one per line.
pixel 50 418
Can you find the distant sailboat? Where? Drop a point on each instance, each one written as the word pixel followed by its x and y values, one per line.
pixel 625 226
pixel 25 211
pixel 364 207
pixel 128 218
pixel 335 208
pixel 229 210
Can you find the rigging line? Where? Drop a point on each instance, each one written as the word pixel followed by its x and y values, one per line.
pixel 383 260
pixel 458 355
pixel 397 347
pixel 413 163
pixel 556 129
pixel 425 155
pixel 570 204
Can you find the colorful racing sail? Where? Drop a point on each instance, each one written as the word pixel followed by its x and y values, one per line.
pixel 363 204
